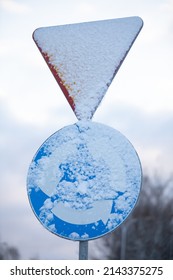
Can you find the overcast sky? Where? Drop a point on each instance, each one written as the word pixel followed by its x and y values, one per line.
pixel 139 103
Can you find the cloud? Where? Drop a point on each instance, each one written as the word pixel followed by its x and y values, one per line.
pixel 13 6
pixel 150 133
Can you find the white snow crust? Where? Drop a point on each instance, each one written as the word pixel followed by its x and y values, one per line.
pixel 86 57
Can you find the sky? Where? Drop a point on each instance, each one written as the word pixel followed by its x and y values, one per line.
pixel 139 103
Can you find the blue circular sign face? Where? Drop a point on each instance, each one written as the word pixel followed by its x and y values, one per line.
pixel 84 181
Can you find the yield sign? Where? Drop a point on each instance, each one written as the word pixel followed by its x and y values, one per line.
pixel 85 57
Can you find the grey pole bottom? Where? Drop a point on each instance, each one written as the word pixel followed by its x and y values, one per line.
pixel 83 250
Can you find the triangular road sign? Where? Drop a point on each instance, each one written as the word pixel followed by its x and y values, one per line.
pixel 85 57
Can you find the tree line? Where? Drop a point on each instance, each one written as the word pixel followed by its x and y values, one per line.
pixel 147 234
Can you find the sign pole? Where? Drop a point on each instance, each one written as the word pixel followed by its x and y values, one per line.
pixel 83 250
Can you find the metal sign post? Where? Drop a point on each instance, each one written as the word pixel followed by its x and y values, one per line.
pixel 85 179
pixel 83 250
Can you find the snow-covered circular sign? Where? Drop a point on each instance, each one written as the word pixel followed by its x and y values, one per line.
pixel 84 181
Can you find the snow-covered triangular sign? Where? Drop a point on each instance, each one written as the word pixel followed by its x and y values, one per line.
pixel 85 57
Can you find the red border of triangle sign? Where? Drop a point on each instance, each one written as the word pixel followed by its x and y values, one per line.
pixel 84 58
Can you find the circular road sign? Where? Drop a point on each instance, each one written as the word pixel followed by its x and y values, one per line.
pixel 84 181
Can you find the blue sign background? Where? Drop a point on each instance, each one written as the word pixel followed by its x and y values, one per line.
pixel 84 181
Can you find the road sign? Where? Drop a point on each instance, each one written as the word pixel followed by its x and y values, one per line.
pixel 84 181
pixel 85 57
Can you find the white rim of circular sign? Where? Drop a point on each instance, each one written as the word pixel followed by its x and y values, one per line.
pixel 84 181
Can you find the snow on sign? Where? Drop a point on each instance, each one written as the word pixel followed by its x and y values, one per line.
pixel 85 57
pixel 84 181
